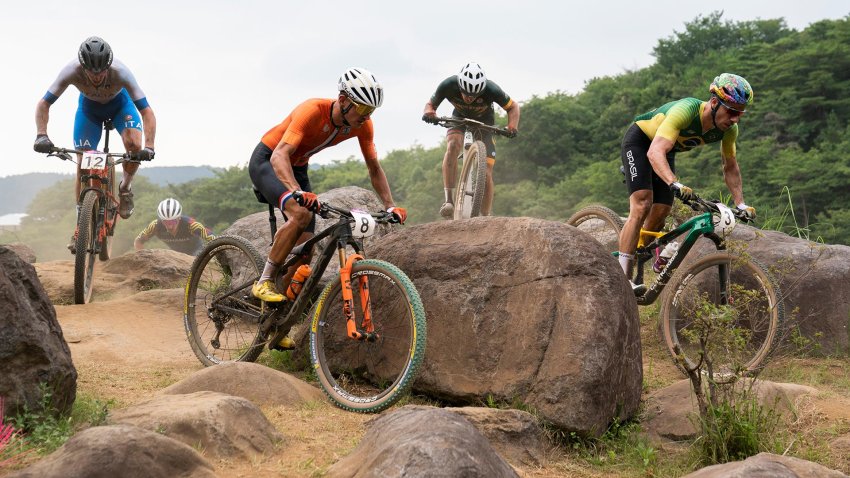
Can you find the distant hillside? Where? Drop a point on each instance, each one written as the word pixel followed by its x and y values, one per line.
pixel 17 191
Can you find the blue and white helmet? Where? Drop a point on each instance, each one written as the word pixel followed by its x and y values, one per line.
pixel 360 85
pixel 472 79
pixel 169 209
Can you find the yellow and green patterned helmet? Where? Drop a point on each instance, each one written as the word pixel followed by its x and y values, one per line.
pixel 732 90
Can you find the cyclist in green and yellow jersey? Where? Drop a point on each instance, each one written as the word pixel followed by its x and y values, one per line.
pixel 650 146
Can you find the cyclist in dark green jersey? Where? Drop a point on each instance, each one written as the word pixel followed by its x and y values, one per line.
pixel 472 96
pixel 652 141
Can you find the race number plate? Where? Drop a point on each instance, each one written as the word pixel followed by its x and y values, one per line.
pixel 467 138
pixel 93 160
pixel 364 224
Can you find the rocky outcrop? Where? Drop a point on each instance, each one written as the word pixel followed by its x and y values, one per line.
pixel 522 309
pixel 34 355
pixel 768 464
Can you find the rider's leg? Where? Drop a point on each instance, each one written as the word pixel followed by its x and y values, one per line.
pixel 297 220
pixel 454 144
pixel 640 203
pixel 487 202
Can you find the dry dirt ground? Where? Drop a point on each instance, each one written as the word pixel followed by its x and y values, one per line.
pixel 128 344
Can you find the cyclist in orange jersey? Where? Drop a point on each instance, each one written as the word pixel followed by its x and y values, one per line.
pixel 278 166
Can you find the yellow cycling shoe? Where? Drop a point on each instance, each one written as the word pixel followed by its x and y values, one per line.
pixel 265 291
pixel 286 343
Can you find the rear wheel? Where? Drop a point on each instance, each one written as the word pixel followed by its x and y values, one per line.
pixel 730 303
pixel 602 223
pixel 473 179
pixel 371 374
pixel 220 315
pixel 86 247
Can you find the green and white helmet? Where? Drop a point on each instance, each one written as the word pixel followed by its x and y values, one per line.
pixel 471 79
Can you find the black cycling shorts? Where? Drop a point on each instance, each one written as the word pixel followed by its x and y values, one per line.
pixel 638 170
pixel 486 137
pixel 266 181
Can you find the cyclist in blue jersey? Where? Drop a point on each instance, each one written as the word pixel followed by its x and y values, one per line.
pixel 179 232
pixel 108 90
pixel 472 96
pixel 651 143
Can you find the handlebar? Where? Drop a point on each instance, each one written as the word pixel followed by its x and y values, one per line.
pixel 700 204
pixel 325 210
pixel 454 122
pixel 65 155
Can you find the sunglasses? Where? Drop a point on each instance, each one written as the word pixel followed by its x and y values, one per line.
pixel 171 222
pixel 733 111
pixel 362 110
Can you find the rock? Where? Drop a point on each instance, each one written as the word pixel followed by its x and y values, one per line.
pixel 120 450
pixel 524 309
pixel 33 350
pixel 415 442
pixel 23 251
pixel 223 426
pixel 767 464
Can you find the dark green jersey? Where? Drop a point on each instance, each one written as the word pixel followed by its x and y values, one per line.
pixel 481 109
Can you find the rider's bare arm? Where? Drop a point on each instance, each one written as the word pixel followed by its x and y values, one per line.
pixel 513 115
pixel 149 121
pixel 379 181
pixel 732 176
pixel 657 155
pixel 282 164
pixel 42 115
pixel 430 110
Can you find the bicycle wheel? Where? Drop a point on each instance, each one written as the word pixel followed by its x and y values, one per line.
pixel 473 178
pixel 86 245
pixel 220 315
pixel 111 211
pixel 602 223
pixel 369 375
pixel 732 304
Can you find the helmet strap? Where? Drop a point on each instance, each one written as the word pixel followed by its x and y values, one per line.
pixel 714 111
pixel 344 111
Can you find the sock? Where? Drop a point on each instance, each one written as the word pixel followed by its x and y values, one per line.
pixel 268 271
pixel 627 262
pixel 450 194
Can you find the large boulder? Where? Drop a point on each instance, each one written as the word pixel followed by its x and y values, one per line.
pixel 814 280
pixel 222 425
pixel 422 442
pixel 151 268
pixel 120 450
pixel 23 251
pixel 522 309
pixel 33 350
pixel 514 434
pixel 768 464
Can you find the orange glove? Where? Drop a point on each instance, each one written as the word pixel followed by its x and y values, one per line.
pixel 399 213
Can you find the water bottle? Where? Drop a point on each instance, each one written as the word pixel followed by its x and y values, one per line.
pixel 297 281
pixel 664 257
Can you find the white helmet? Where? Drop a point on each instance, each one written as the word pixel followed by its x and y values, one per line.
pixel 472 79
pixel 361 86
pixel 169 209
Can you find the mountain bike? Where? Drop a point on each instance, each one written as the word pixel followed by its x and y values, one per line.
pixel 368 329
pixel 98 206
pixel 472 182
pixel 725 286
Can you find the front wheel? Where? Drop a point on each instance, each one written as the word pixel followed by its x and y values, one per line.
pixel 722 314
pixel 220 315
pixel 473 181
pixel 86 247
pixel 370 374
pixel 602 223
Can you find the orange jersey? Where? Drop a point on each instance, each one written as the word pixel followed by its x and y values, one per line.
pixel 309 128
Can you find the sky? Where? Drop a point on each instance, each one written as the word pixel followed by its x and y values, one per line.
pixel 218 74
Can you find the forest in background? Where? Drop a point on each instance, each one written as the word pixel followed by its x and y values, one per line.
pixel 792 146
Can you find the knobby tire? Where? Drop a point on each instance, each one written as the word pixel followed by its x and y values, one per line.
pixel 86 245
pixel 364 376
pixel 473 182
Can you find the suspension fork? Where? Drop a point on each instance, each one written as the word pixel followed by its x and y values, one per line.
pixel 367 330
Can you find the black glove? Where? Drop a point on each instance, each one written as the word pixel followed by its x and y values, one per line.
pixel 146 154
pixel 682 192
pixel 42 144
pixel 511 133
pixel 430 119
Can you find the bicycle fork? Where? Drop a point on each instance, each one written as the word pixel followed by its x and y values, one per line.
pixel 367 329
